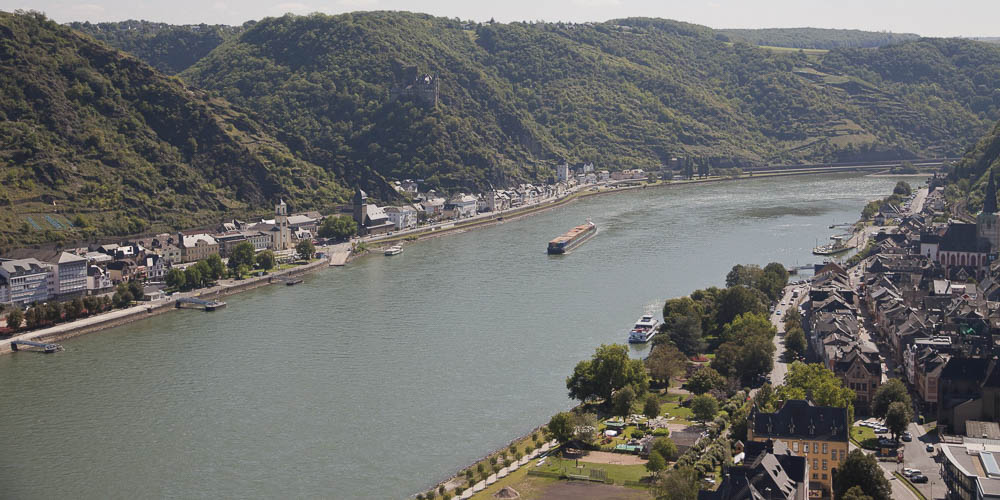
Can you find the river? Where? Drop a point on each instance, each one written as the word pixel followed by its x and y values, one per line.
pixel 380 378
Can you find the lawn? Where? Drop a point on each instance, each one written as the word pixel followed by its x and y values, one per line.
pixel 864 436
pixel 680 414
pixel 617 473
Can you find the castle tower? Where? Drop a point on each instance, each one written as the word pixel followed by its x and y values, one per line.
pixel 360 209
pixel 988 221
pixel 281 223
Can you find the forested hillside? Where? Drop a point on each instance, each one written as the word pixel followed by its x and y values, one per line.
pixel 517 97
pixel 94 142
pixel 168 48
pixel 816 38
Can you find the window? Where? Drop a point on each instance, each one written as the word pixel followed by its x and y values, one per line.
pixel 841 455
pixel 815 447
pixel 824 464
pixel 815 476
pixel 795 447
pixel 805 447
pixel 815 463
pixel 833 455
pixel 824 476
pixel 825 448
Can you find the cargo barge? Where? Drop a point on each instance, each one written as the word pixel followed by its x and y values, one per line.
pixel 572 239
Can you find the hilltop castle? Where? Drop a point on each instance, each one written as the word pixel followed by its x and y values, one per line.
pixel 411 84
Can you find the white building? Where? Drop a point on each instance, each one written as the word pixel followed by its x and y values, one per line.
pixel 403 217
pixel 465 205
pixel 70 275
pixel 28 280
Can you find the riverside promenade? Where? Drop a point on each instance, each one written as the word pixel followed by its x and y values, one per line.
pixel 143 310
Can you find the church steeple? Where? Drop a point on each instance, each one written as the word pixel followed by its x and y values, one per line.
pixel 990 197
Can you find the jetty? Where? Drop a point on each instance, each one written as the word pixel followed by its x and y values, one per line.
pixel 208 305
pixel 19 345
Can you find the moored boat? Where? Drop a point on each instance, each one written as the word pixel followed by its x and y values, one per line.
pixel 393 250
pixel 572 239
pixel 643 330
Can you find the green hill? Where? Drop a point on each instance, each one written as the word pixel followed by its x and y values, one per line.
pixel 166 47
pixel 815 38
pixel 516 98
pixel 94 142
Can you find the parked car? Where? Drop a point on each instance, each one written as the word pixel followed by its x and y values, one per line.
pixel 918 479
pixel 930 447
pixel 907 471
pixel 907 437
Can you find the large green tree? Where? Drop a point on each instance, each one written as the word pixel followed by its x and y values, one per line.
pixel 562 426
pixel 705 380
pixel 818 384
pixel 890 392
pixel 704 408
pixel 665 362
pixel 609 370
pixel 305 249
pixel 14 319
pixel 734 301
pixel 863 471
pixel 898 417
pixel 338 227
pixel 677 484
pixel 242 255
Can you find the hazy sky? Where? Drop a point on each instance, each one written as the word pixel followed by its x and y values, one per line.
pixel 926 17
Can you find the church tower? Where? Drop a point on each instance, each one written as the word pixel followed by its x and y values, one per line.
pixel 281 224
pixel 360 209
pixel 988 221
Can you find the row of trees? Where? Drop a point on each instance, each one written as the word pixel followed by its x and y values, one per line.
pixel 50 313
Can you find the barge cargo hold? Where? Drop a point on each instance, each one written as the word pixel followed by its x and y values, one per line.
pixel 572 239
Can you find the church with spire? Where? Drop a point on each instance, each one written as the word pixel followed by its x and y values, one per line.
pixel 988 221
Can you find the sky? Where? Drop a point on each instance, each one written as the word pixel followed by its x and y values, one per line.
pixel 924 17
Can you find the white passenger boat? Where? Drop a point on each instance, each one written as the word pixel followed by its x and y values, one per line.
pixel 643 330
pixel 393 250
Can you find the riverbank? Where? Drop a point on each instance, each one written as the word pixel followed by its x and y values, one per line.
pixel 146 310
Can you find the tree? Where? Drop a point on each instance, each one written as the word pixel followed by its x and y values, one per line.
pixel 305 249
pixel 746 326
pixel 175 279
pixel 888 393
pixel 666 448
pixel 704 408
pixel 266 260
pixel 855 493
pixel 746 275
pixel 561 427
pixel 656 463
pixel 897 417
pixel 704 380
pixel 814 382
pixel 734 301
pixel 609 370
pixel 651 408
pixel 621 401
pixel 136 289
pixel 215 266
pixel 795 341
pixel 677 484
pixel 14 319
pixel 861 470
pixel 192 277
pixel 902 188
pixel 122 299
pixel 757 359
pixel 340 227
pixel 665 362
pixel 242 254
pixel 34 317
pixel 685 333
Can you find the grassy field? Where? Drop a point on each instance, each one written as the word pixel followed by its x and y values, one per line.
pixel 681 415
pixel 618 473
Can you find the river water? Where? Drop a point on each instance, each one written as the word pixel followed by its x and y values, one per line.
pixel 380 378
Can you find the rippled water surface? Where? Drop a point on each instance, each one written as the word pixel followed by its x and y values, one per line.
pixel 378 379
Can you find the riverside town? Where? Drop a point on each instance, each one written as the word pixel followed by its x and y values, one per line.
pixel 564 250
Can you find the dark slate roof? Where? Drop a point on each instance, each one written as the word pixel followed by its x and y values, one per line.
pixel 766 474
pixel 965 369
pixel 801 419
pixel 963 238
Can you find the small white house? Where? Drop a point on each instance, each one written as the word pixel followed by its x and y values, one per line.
pixel 403 217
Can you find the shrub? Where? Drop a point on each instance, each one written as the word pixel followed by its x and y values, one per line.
pixel 663 431
pixel 636 434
